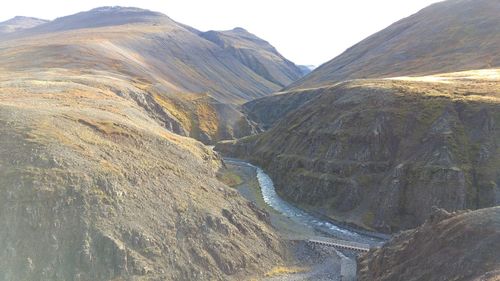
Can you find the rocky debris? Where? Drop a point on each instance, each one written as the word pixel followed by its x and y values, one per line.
pixel 449 246
pixel 388 153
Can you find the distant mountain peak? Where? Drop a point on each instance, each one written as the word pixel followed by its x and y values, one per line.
pixel 107 9
pixel 102 17
pixel 18 23
pixel 240 29
pixel 19 19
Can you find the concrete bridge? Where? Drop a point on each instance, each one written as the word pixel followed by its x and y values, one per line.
pixel 339 244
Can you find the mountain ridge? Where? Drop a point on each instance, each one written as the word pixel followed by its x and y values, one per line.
pixel 440 38
pixel 170 58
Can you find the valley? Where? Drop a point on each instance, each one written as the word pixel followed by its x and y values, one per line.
pixel 413 144
pixel 136 147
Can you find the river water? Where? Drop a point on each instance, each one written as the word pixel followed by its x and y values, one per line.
pixel 272 199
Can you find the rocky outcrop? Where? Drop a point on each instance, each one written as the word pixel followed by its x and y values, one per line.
pixel 382 153
pixel 449 246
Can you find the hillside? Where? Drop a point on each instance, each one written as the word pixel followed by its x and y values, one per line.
pixel 195 87
pixel 390 151
pixel 93 188
pixel 97 181
pixel 257 55
pixel 461 246
pixel 448 36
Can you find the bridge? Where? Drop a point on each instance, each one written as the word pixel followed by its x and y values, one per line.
pixel 339 244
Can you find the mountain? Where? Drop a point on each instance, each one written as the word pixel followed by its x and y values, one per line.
pixel 448 36
pixel 381 153
pixel 256 54
pixel 306 69
pixel 96 180
pixel 460 246
pixel 19 23
pixel 194 86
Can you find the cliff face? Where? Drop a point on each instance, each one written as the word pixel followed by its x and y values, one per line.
pixel 440 38
pixel 382 153
pixel 461 246
pixel 92 188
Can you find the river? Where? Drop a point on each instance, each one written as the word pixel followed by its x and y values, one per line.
pixel 300 217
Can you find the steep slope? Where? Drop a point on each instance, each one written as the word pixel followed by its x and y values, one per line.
pixel 382 153
pixel 462 246
pixel 448 36
pixel 257 55
pixel 195 86
pixel 19 23
pixel 93 188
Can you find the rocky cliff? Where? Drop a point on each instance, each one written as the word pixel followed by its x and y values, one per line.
pixel 382 153
pixel 93 188
pixel 461 246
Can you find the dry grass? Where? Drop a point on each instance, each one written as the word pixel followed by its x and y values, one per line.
pixel 229 178
pixel 175 109
pixel 208 119
pixel 283 270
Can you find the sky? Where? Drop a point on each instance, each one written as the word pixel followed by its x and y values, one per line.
pixel 308 32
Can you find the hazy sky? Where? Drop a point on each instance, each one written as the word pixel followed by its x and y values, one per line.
pixel 304 31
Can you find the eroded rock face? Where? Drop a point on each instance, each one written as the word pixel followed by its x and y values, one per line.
pixel 449 246
pixel 92 188
pixel 382 153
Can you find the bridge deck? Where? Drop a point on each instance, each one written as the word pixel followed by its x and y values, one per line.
pixel 340 244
